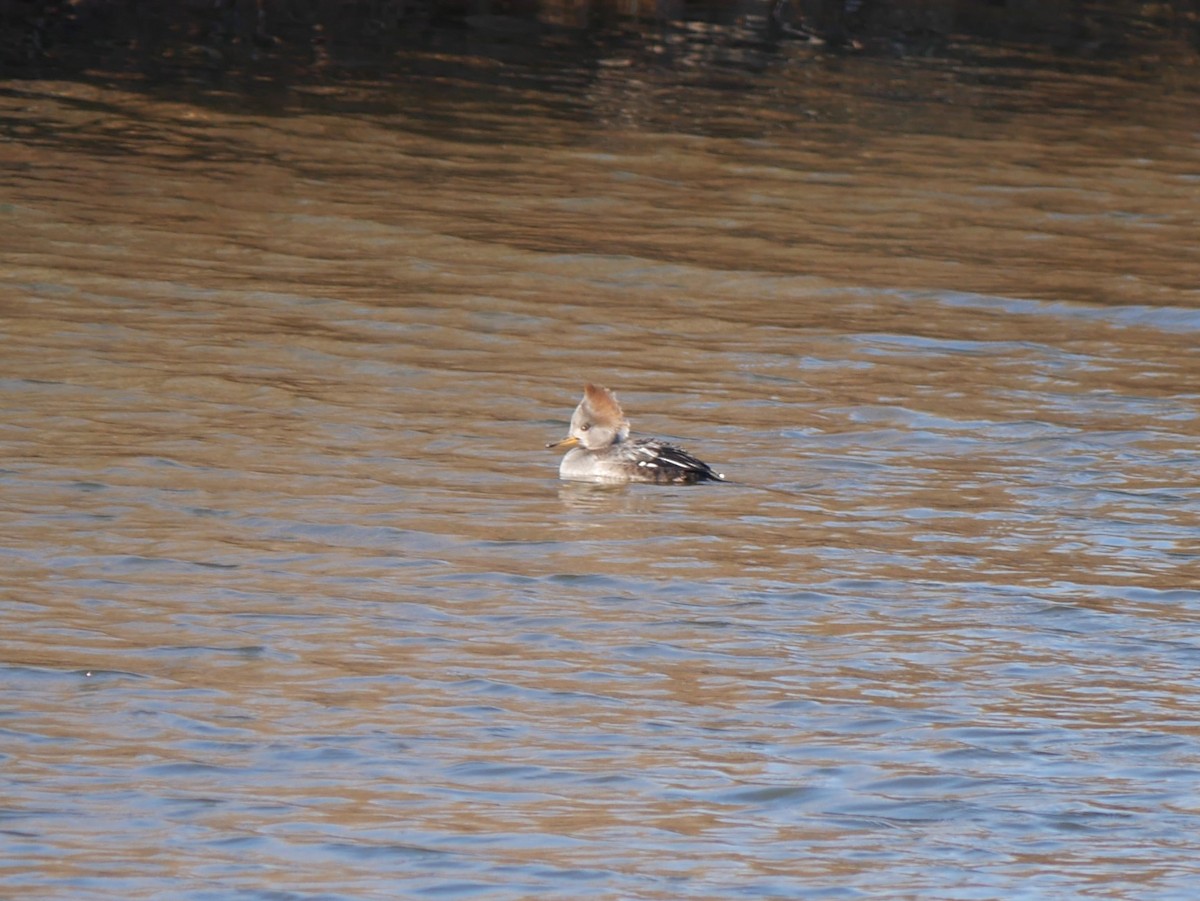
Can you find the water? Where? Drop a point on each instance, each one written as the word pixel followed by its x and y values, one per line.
pixel 295 606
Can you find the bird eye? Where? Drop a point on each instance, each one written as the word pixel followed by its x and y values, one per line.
pixel 585 427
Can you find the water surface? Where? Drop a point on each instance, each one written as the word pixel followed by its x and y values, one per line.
pixel 295 606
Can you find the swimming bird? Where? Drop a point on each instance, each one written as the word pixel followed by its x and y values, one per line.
pixel 600 449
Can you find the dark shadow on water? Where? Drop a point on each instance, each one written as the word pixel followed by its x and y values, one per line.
pixel 248 50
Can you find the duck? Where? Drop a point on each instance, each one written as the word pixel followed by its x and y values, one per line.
pixel 599 449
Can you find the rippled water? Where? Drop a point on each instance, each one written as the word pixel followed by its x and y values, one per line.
pixel 295 606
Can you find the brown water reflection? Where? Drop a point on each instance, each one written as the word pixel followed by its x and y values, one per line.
pixel 292 591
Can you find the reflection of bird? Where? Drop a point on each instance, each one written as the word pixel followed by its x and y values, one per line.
pixel 601 452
